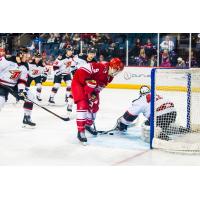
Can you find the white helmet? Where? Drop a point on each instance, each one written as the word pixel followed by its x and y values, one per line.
pixel 144 90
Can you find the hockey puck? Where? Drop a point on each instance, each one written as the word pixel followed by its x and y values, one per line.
pixel 111 133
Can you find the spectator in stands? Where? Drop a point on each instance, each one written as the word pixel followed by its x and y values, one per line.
pixel 137 47
pixel 149 48
pixel 142 61
pixel 165 60
pixel 63 43
pixel 57 37
pixel 193 60
pixel 111 53
pixel 76 39
pixel 86 37
pixel 198 44
pixel 181 63
pixel 94 39
pixel 32 47
pixel 152 62
pixel 51 39
pixel 167 44
pixel 101 58
pixel 44 57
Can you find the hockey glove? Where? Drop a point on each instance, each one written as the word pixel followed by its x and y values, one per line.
pixel 93 102
pixel 44 78
pixel 90 86
pixel 22 94
pixel 92 97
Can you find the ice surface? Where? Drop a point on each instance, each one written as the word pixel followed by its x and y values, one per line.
pixel 54 141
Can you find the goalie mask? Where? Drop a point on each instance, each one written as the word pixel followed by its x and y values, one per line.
pixel 144 90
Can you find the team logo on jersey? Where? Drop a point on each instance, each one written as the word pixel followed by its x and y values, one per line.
pixel 105 70
pixel 14 74
pixel 95 70
pixel 68 64
pixel 35 71
pixel 55 63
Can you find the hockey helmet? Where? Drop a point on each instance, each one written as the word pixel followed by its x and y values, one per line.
pixel 92 50
pixel 21 51
pixel 69 48
pixel 144 90
pixel 116 63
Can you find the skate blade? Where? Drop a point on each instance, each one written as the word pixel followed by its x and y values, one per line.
pixel 51 104
pixel 83 143
pixel 26 126
pixel 55 105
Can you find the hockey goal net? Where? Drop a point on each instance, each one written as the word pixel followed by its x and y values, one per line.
pixel 181 129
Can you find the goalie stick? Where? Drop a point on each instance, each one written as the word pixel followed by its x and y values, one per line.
pixel 110 132
pixel 25 98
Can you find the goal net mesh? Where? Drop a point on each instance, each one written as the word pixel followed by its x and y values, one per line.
pixel 179 130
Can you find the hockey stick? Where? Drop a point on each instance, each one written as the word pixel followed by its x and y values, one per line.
pixel 25 98
pixel 115 128
pixel 111 130
pixel 94 125
pixel 64 119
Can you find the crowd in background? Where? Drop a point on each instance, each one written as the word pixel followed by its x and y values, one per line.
pixel 142 48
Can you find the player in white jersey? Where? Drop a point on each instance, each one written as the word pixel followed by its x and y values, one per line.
pixel 165 112
pixel 13 78
pixel 38 73
pixel 82 59
pixel 62 71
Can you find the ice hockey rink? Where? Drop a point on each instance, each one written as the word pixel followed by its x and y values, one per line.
pixel 54 141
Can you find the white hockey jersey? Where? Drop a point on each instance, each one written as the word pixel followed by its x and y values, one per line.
pixel 142 105
pixel 13 73
pixel 80 60
pixel 36 70
pixel 66 65
pixel 62 65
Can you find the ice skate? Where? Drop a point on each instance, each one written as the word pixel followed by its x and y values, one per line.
pixel 82 138
pixel 51 101
pixel 27 122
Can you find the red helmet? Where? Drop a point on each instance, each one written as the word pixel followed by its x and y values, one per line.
pixel 117 64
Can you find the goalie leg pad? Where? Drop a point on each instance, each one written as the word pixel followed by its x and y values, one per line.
pixel 129 117
pixel 146 132
pixel 122 127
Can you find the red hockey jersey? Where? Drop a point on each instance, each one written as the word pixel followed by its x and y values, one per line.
pixel 90 71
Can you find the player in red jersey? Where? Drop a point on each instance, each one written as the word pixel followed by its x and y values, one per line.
pixel 87 83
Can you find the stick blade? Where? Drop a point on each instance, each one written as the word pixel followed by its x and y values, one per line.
pixel 66 119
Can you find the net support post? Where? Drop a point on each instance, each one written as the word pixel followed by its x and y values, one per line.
pixel 189 101
pixel 152 106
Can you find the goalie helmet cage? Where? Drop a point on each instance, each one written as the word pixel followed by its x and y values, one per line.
pixel 182 87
